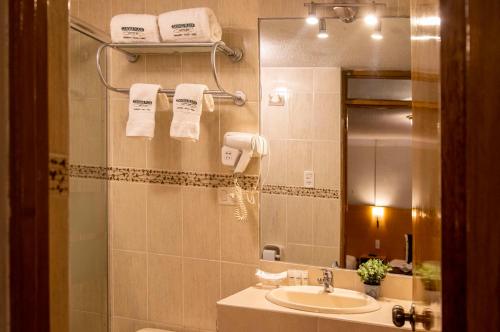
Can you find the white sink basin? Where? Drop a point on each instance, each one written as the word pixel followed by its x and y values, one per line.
pixel 312 298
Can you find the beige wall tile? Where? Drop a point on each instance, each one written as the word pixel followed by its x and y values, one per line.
pixel 236 277
pixel 165 70
pixel 196 68
pixel 326 164
pixel 129 282
pixel 299 159
pixel 156 7
pixel 80 321
pixel 238 13
pixel 203 156
pixel 301 114
pixel 273 219
pixel 240 239
pixel 124 151
pixel 299 218
pixel 201 223
pixel 274 164
pixel 275 119
pixel 326 121
pixel 201 285
pixel 282 8
pixel 326 222
pixel 123 73
pixel 164 291
pixel 128 215
pixel 242 75
pixel 298 253
pixel 212 4
pixel 128 6
pixel 164 214
pixel 325 256
pixel 327 80
pixel 294 79
pixel 163 151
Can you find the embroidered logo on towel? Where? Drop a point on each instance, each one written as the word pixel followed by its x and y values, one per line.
pixel 188 105
pixel 142 105
pixel 133 33
pixel 184 30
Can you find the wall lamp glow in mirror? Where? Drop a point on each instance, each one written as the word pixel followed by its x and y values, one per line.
pixel 312 19
pixel 322 33
pixel 377 32
pixel 378 214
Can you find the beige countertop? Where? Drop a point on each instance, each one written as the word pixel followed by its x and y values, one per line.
pixel 255 298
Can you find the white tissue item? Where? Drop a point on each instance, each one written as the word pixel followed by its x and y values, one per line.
pixel 134 28
pixel 271 276
pixel 190 25
pixel 269 255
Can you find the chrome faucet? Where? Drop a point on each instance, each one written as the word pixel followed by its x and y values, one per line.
pixel 327 280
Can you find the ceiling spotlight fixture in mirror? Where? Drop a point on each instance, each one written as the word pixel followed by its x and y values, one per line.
pixel 323 33
pixel 312 19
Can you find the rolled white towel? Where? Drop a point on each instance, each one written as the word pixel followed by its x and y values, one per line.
pixel 189 25
pixel 134 28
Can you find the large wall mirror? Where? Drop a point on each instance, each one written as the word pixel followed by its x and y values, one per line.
pixel 336 109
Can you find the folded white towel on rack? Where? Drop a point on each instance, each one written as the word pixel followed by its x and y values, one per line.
pixel 188 103
pixel 142 109
pixel 134 28
pixel 190 25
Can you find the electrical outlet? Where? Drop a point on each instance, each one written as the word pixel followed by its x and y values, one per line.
pixel 309 179
pixel 377 244
pixel 225 196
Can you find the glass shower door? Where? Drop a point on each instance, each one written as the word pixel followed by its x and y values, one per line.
pixel 88 256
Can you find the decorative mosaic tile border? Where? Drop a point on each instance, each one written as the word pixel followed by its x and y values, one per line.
pixel 300 191
pixel 58 174
pixel 209 180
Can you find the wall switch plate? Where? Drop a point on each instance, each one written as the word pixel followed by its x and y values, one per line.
pixel 309 179
pixel 225 195
pixel 377 244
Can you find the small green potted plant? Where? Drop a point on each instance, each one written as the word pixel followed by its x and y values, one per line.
pixel 372 272
pixel 429 273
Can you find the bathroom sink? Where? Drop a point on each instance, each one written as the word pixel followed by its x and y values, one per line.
pixel 314 299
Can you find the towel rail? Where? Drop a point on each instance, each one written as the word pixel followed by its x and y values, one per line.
pixel 133 51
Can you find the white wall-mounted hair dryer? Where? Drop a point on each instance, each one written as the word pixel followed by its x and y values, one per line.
pixel 239 148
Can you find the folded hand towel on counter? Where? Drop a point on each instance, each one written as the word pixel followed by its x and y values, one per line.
pixel 134 28
pixel 142 109
pixel 190 25
pixel 187 107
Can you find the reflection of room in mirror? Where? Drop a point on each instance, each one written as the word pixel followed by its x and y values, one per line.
pixel 302 116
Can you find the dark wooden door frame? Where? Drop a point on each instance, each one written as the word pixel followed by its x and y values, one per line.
pixel 29 226
pixel 470 165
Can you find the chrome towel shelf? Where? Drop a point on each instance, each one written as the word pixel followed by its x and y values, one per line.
pixel 134 51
